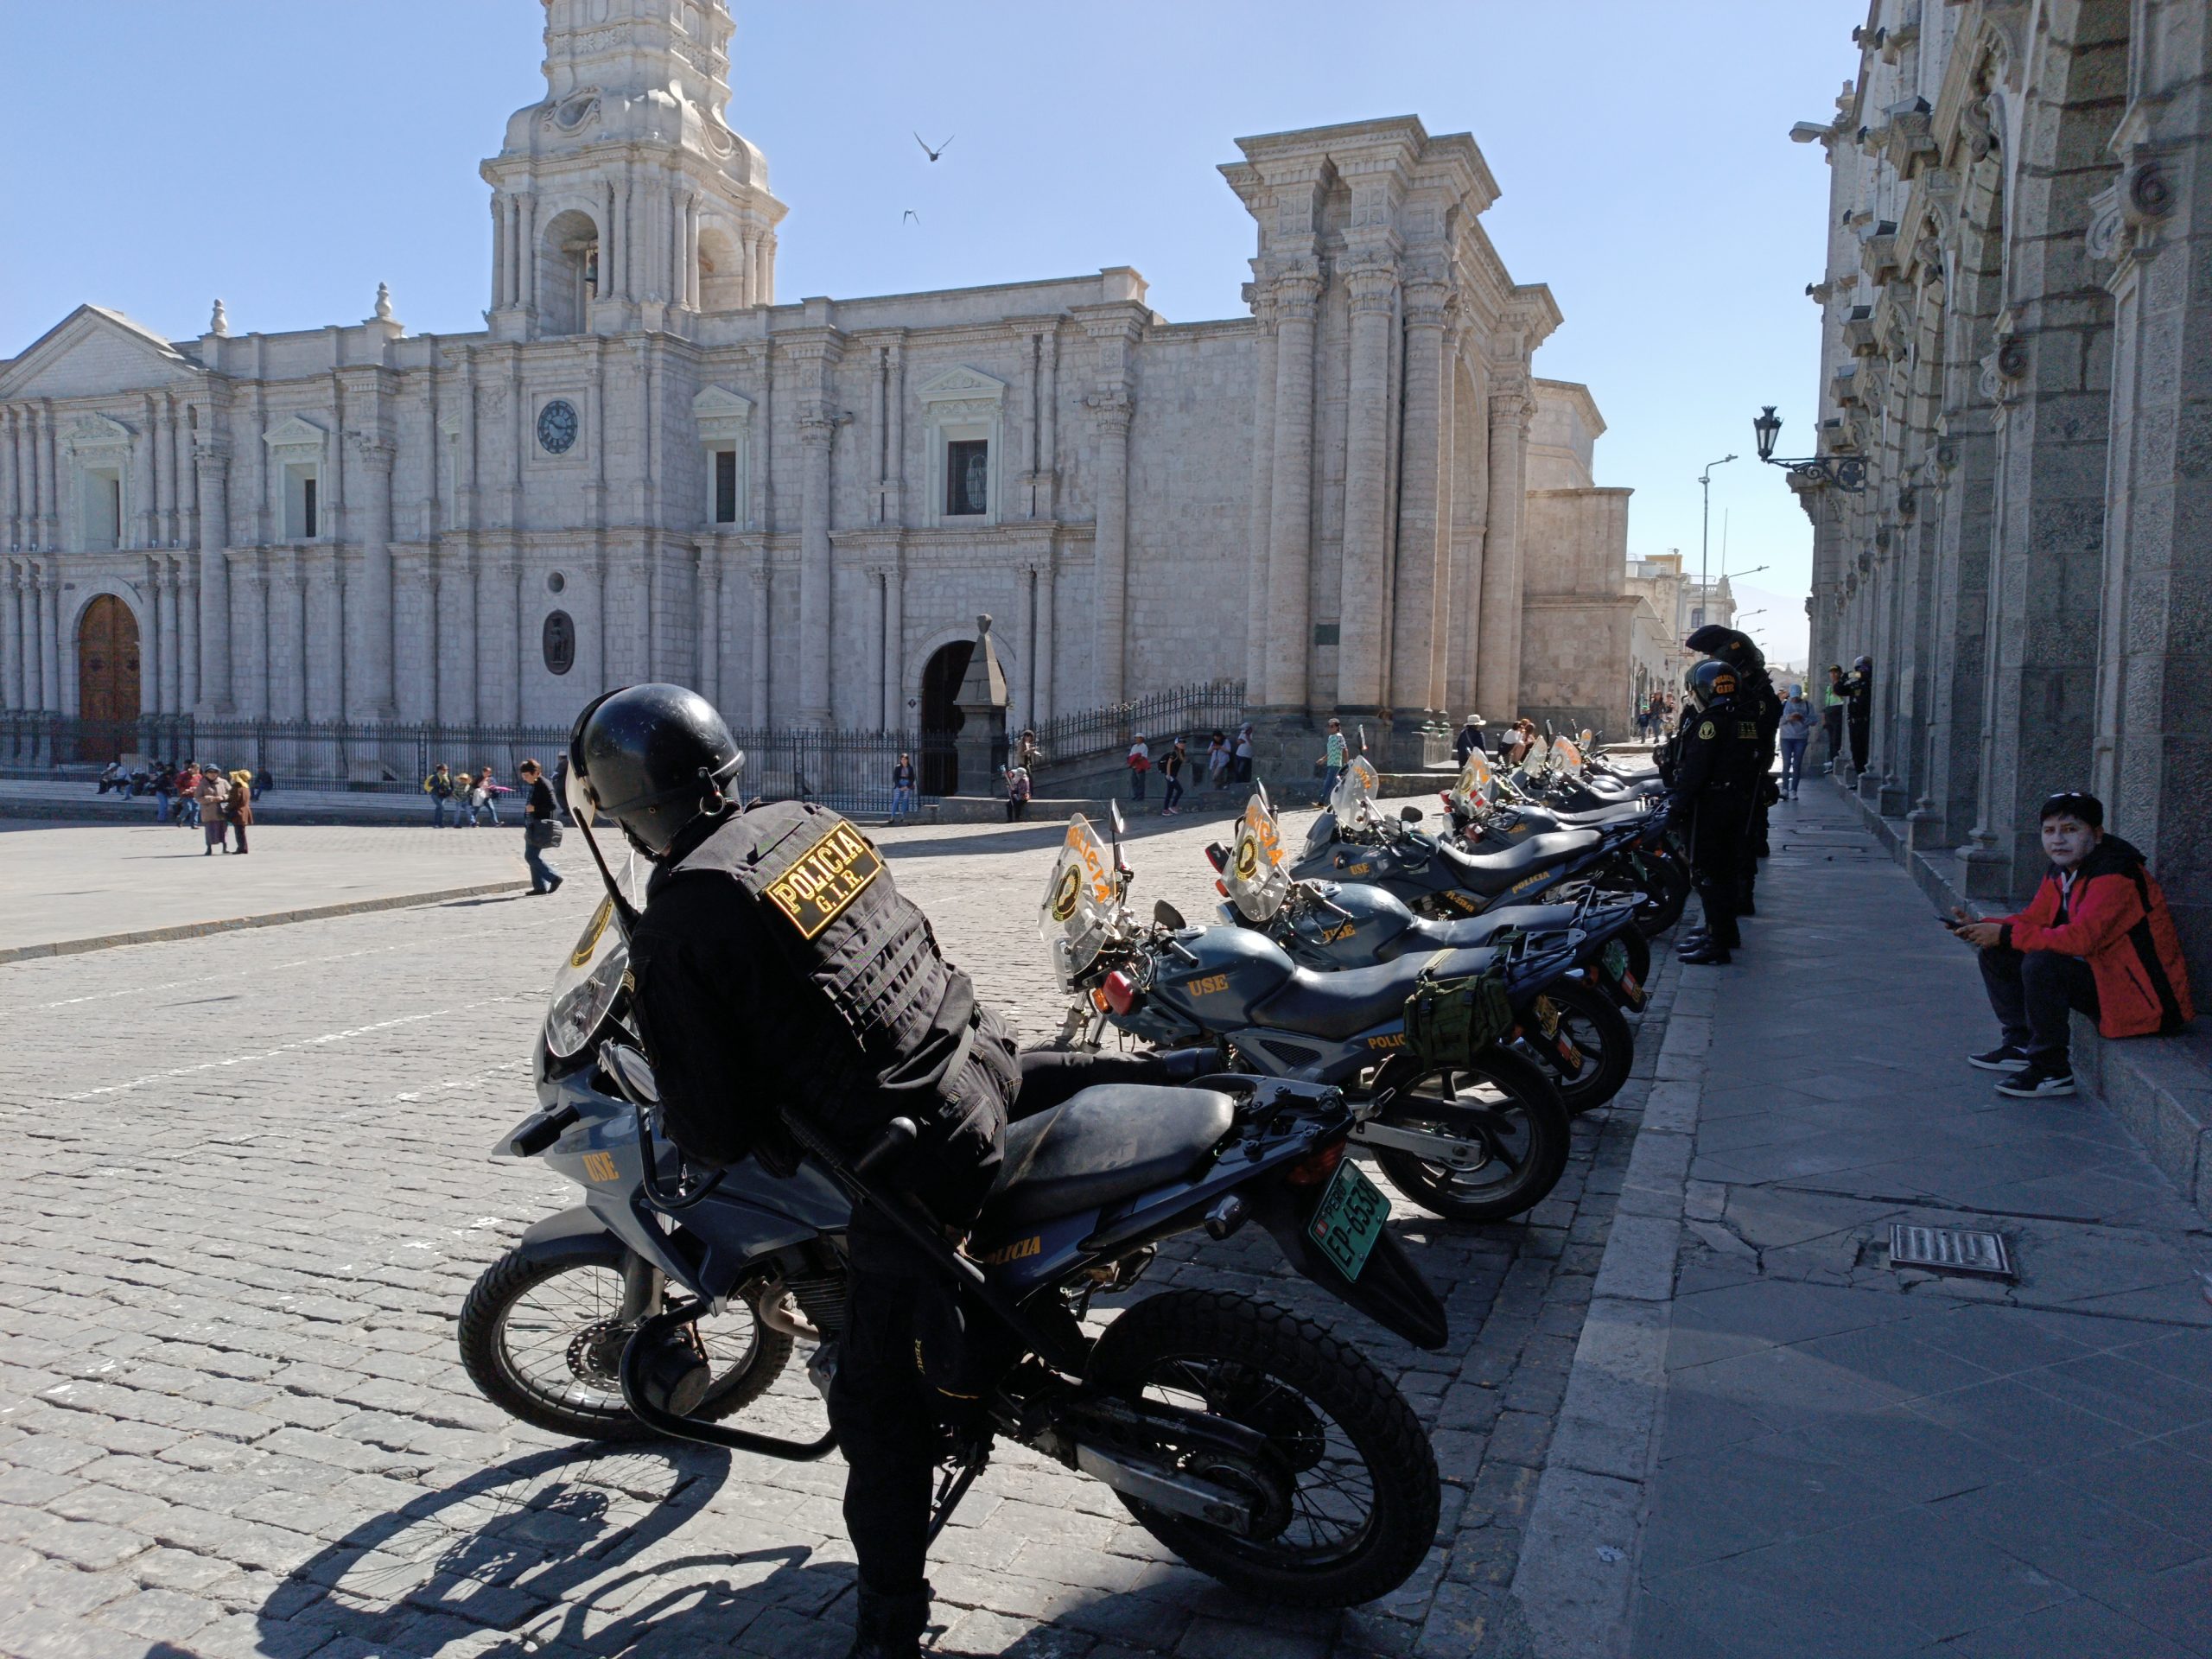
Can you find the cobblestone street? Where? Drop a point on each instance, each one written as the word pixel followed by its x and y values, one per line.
pixel 250 1190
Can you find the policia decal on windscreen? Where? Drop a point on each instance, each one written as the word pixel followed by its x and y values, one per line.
pixel 792 1001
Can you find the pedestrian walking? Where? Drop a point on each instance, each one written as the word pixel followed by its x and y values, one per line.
pixel 212 795
pixel 1244 752
pixel 540 828
pixel 902 787
pixel 1469 740
pixel 1017 792
pixel 164 790
pixel 238 815
pixel 1218 761
pixel 1796 733
pixel 188 793
pixel 491 789
pixel 1171 768
pixel 1140 764
pixel 2097 939
pixel 1334 758
pixel 464 801
pixel 439 786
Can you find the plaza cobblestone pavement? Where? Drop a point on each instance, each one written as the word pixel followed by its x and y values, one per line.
pixel 251 1188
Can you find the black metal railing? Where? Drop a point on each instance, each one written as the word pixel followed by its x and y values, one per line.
pixel 1193 711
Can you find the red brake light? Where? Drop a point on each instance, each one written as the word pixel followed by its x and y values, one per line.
pixel 1121 992
pixel 1217 855
pixel 1317 1167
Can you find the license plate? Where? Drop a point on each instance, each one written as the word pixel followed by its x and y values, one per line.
pixel 1547 1016
pixel 1349 1219
pixel 1617 959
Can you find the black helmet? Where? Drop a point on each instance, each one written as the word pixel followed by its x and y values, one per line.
pixel 1709 682
pixel 1731 646
pixel 653 758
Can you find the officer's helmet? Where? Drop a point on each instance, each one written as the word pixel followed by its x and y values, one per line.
pixel 1731 646
pixel 653 758
pixel 1709 682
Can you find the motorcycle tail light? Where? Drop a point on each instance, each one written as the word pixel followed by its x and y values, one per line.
pixel 1316 1167
pixel 1121 992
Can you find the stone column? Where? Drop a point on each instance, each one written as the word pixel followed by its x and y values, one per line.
pixel 1363 597
pixel 157 658
pixel 484 637
pixel 818 428
pixel 1290 529
pixel 49 636
pixel 1263 467
pixel 1047 630
pixel 167 476
pixel 414 626
pixel 49 498
pixel 1498 666
pixel 187 636
pixel 894 645
pixel 11 503
pixel 371 696
pixel 288 678
pixel 142 483
pixel 324 635
pixel 711 620
pixel 1422 607
pixel 11 638
pixel 759 642
pixel 249 666
pixel 1110 412
pixel 212 460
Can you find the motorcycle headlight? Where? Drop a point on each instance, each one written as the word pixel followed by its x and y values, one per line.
pixel 577 1010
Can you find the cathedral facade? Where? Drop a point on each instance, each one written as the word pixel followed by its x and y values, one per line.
pixel 647 465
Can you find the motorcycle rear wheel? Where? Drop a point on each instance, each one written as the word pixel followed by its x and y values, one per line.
pixel 522 1348
pixel 1528 1153
pixel 1659 911
pixel 1594 1023
pixel 1364 1496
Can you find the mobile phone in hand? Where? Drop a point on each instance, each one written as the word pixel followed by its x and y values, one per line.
pixel 1951 922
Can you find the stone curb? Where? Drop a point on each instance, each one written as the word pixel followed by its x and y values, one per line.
pixel 232 924
pixel 1575 1584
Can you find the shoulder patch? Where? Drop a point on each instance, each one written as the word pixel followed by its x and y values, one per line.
pixel 1747 729
pixel 1708 732
pixel 826 878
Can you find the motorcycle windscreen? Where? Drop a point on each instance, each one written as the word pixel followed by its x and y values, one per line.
pixel 1352 800
pixel 1256 879
pixel 590 975
pixel 1473 788
pixel 1077 916
pixel 1566 757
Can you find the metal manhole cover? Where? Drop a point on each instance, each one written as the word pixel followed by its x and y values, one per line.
pixel 1943 1250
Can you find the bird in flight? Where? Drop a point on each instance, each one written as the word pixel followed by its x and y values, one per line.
pixel 911 215
pixel 939 150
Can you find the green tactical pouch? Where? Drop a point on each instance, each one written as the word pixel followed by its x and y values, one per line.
pixel 1449 1022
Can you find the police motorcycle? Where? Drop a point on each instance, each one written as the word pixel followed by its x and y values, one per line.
pixel 1468 1128
pixel 1575 1027
pixel 1352 840
pixel 1257 1446
pixel 1491 809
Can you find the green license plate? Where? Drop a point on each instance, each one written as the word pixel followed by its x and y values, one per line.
pixel 1349 1219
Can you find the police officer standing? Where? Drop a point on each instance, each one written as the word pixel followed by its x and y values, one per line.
pixel 790 998
pixel 1756 694
pixel 1715 768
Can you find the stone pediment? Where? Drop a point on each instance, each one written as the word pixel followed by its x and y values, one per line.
pixel 92 431
pixel 960 384
pixel 294 432
pixel 721 413
pixel 94 352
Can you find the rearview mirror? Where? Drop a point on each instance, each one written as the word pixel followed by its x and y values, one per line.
pixel 1410 814
pixel 633 1072
pixel 1165 915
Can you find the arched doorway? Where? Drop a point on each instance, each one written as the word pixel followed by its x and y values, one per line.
pixel 941 716
pixel 107 679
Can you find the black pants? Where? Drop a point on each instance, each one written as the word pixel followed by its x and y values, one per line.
pixel 1831 723
pixel 2031 992
pixel 1858 740
pixel 1718 844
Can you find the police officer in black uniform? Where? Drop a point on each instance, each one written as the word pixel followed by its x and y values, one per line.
pixel 790 997
pixel 1755 691
pixel 1714 772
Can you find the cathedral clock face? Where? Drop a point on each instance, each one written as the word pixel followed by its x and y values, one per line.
pixel 556 427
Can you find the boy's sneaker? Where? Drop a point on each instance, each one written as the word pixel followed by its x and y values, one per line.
pixel 2003 1057
pixel 2038 1081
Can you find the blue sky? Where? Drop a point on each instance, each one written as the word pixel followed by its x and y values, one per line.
pixel 288 155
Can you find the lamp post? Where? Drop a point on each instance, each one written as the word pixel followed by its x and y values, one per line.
pixel 1705 537
pixel 1846 473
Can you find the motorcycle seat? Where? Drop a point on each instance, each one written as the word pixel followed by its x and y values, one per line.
pixel 1498 872
pixel 1472 932
pixel 1344 1004
pixel 1109 1142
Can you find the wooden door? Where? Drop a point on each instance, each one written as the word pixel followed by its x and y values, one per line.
pixel 107 679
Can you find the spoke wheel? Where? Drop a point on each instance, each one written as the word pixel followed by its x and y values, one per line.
pixel 1345 1505
pixel 543 1340
pixel 1508 1104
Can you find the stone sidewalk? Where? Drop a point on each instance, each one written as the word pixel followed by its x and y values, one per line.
pixel 1776 1445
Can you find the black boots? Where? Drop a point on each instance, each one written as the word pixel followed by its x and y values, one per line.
pixel 890 1627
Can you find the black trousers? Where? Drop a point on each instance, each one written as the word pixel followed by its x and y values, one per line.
pixel 2032 992
pixel 1858 723
pixel 1718 844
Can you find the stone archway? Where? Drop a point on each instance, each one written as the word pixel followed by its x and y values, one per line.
pixel 107 679
pixel 941 717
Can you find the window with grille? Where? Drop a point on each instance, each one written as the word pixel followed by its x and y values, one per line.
pixel 725 487
pixel 966 477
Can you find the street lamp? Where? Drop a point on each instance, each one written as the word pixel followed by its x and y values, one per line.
pixel 1846 473
pixel 1705 538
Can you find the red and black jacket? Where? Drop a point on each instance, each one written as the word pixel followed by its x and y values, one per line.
pixel 2116 919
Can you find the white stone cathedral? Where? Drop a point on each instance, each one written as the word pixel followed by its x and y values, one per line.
pixel 1356 499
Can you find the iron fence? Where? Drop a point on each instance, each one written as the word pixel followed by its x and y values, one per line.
pixel 1183 710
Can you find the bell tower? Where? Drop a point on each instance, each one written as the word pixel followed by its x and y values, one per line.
pixel 622 197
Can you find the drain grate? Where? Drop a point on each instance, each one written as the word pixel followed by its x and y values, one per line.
pixel 1943 1250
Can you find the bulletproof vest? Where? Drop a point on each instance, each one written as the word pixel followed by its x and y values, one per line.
pixel 827 902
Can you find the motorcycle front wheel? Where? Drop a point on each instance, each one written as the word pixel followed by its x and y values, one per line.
pixel 542 1342
pixel 1518 1116
pixel 1347 1499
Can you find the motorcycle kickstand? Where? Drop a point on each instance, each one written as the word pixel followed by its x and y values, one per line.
pixel 953 1484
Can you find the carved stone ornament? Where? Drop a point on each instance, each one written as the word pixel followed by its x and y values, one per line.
pixel 1947 455
pixel 724 416
pixel 2146 193
pixel 571 113
pixel 2106 224
pixel 89 434
pixel 1883 537
pixel 295 438
pixel 2012 357
pixel 1908 502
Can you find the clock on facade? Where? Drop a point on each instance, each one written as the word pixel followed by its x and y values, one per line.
pixel 556 427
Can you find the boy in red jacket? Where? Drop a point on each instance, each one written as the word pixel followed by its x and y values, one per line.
pixel 2097 937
